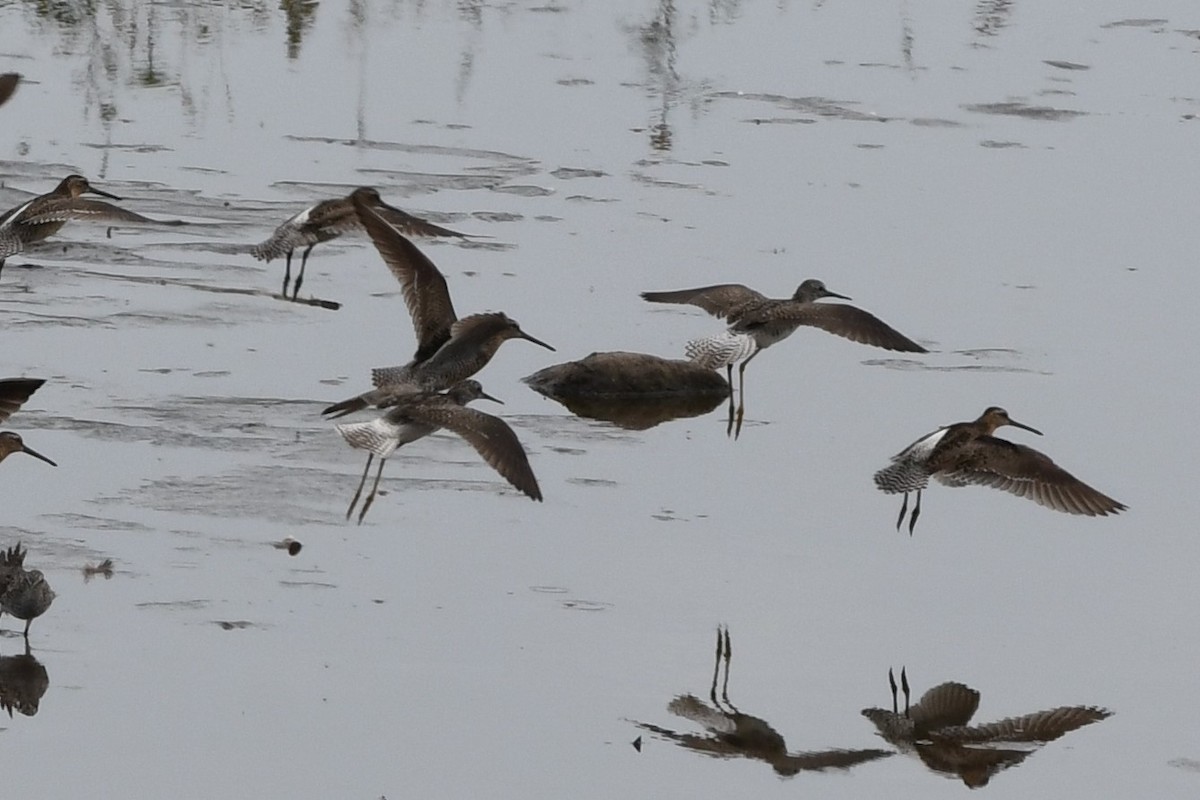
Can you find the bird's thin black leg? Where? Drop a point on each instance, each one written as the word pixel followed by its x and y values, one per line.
pixel 912 521
pixel 374 488
pixel 361 483
pixel 287 272
pixel 300 277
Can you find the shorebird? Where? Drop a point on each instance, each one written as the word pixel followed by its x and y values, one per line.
pixel 43 216
pixel 756 322
pixel 329 219
pixel 967 453
pixel 733 734
pixel 13 394
pixel 415 416
pixel 8 85
pixel 23 593
pixel 449 349
pixel 938 731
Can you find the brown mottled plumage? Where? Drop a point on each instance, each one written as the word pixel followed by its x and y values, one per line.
pixel 415 416
pixel 756 322
pixel 449 349
pixel 329 219
pixel 966 453
pixel 729 733
pixel 13 394
pixel 938 731
pixel 24 594
pixel 43 216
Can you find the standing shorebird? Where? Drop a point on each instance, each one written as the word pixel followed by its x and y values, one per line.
pixel 756 322
pixel 8 85
pixel 733 734
pixel 13 394
pixel 329 219
pixel 967 453
pixel 23 593
pixel 43 216
pixel 449 349
pixel 938 731
pixel 416 416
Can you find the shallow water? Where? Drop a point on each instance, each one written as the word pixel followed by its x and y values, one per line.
pixel 1009 184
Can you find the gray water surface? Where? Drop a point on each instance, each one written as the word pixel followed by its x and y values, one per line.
pixel 1011 184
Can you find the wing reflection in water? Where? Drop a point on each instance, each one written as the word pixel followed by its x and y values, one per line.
pixel 631 390
pixel 729 733
pixel 937 730
pixel 23 681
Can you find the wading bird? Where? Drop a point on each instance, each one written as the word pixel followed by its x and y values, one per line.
pixel 967 453
pixel 756 322
pixel 415 416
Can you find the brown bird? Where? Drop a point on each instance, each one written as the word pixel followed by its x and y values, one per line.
pixel 23 593
pixel 8 85
pixel 415 416
pixel 938 731
pixel 733 734
pixel 756 322
pixel 449 349
pixel 966 453
pixel 43 216
pixel 13 394
pixel 329 219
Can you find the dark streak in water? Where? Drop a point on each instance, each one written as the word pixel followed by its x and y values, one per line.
pixel 1018 109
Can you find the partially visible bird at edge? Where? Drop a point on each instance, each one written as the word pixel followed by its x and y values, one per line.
pixel 416 416
pixel 967 453
pixel 449 349
pixel 329 219
pixel 13 394
pixel 756 322
pixel 24 594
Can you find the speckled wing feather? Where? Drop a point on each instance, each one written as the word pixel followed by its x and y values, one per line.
pixel 490 436
pixel 946 704
pixel 318 223
pixel 690 707
pixel 1040 726
pixel 413 226
pixel 1025 472
pixel 81 208
pixel 719 300
pixel 425 290
pixel 10 243
pixel 720 349
pixel 14 392
pixel 826 759
pixel 382 435
pixel 843 320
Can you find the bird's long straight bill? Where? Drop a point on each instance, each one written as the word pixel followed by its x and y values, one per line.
pixel 1024 427
pixel 102 193
pixel 30 451
pixel 529 338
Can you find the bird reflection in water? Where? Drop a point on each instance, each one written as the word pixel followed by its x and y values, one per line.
pixel 729 733
pixel 938 731
pixel 23 681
